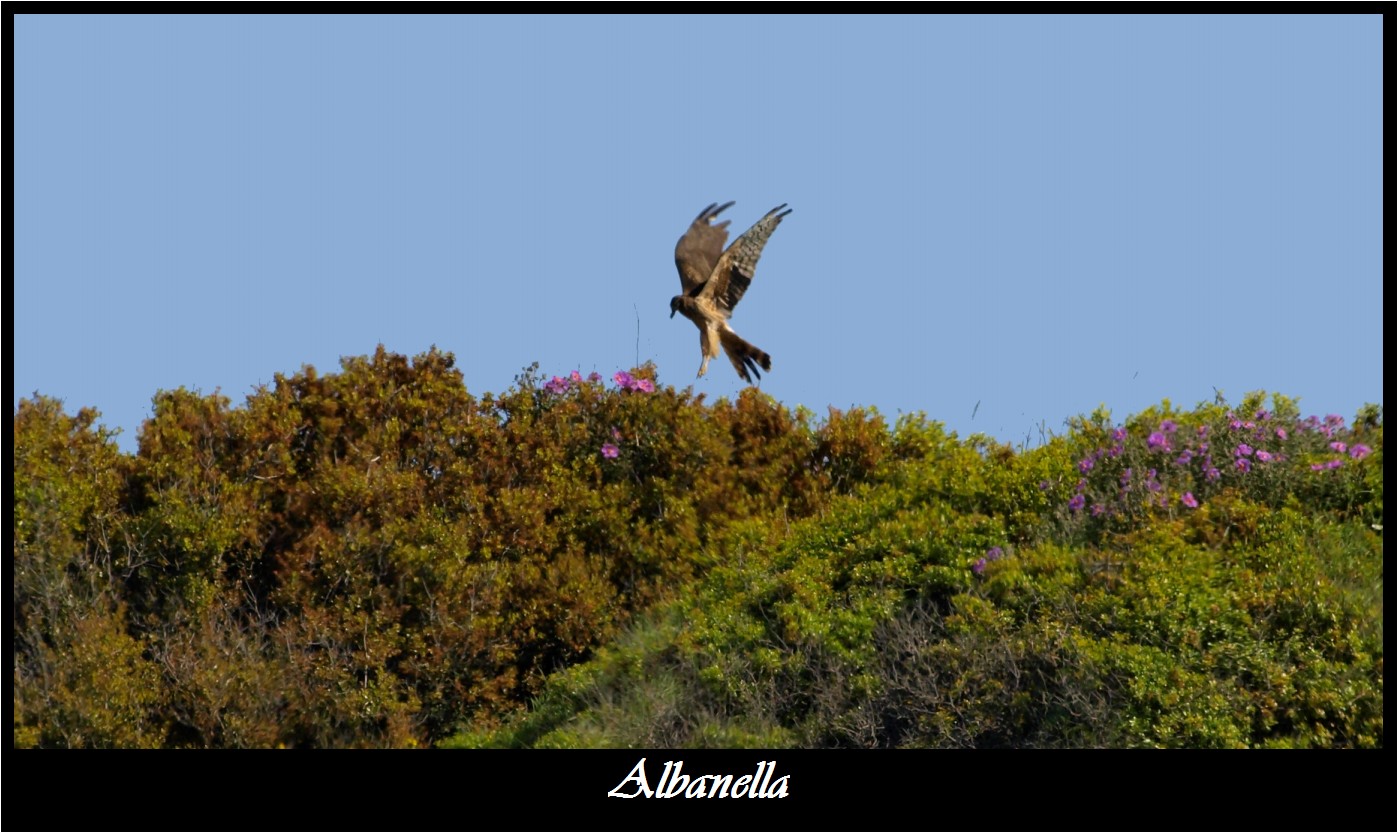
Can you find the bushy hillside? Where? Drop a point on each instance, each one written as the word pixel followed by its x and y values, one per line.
pixel 1210 578
pixel 378 557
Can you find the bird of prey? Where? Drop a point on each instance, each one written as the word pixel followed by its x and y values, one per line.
pixel 713 280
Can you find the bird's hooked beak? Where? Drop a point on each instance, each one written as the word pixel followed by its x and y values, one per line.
pixel 672 312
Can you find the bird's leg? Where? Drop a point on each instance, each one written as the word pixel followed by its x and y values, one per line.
pixel 704 367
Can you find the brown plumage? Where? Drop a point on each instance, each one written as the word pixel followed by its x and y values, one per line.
pixel 713 280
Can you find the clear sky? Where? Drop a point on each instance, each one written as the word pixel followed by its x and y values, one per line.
pixel 1034 214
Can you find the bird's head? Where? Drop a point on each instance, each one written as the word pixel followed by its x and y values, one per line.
pixel 675 304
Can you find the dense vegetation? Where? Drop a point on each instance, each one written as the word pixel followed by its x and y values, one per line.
pixel 377 557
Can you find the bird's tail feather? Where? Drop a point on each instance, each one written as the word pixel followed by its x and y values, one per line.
pixel 744 356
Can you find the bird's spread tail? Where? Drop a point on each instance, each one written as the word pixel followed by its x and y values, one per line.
pixel 744 356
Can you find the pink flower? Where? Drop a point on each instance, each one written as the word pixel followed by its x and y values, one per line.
pixel 610 450
pixel 1359 451
pixel 645 386
pixel 1188 500
pixel 1243 450
pixel 1076 503
pixel 979 566
pixel 622 378
pixel 594 377
pixel 1338 446
pixel 1282 434
pixel 1157 440
pixel 1242 464
pixel 1119 435
pixel 576 377
pixel 1264 455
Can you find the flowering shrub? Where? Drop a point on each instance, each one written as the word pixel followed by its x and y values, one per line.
pixel 1123 585
pixel 1160 464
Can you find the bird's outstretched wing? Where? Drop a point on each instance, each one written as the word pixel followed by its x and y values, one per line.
pixel 699 249
pixel 734 270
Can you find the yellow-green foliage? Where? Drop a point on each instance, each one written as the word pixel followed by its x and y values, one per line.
pixel 964 597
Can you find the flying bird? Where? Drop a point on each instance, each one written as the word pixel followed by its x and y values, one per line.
pixel 713 280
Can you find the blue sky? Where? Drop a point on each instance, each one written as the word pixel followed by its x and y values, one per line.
pixel 1038 214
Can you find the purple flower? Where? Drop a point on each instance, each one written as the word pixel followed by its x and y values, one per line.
pixel 1359 451
pixel 1097 510
pixel 1076 503
pixel 1126 476
pixel 1044 486
pixel 623 379
pixel 1243 450
pixel 1335 420
pixel 1211 474
pixel 1157 440
pixel 1168 426
pixel 1334 463
pixel 1262 414
pixel 575 376
pixel 1235 424
pixel 1119 434
pixel 556 385
pixel 594 377
pixel 1085 466
pixel 1188 499
pixel 610 450
pixel 994 553
pixel 1281 433
pixel 1338 446
pixel 645 386
pixel 979 566
pixel 1242 464
pixel 1201 431
pixel 1115 450
pixel 1081 485
pixel 616 433
pixel 1185 457
pixel 1153 485
pixel 1248 424
pixel 1264 455
pixel 1317 467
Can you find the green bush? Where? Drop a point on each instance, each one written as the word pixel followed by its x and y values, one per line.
pixel 1069 595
